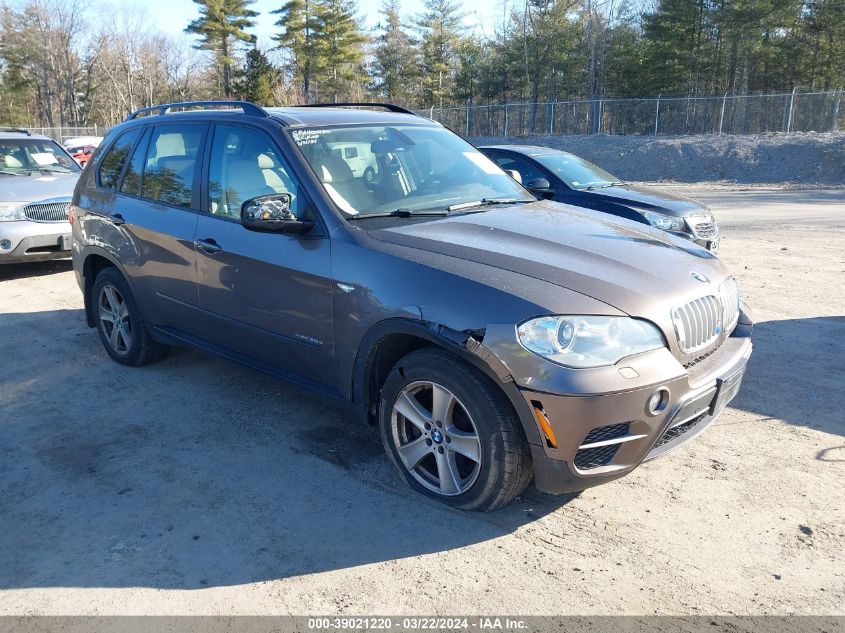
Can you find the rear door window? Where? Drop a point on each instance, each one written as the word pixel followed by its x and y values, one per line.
pixel 112 164
pixel 171 164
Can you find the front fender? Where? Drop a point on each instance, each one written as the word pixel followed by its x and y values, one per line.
pixel 465 345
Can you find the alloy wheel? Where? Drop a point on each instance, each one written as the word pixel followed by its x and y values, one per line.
pixel 435 438
pixel 114 319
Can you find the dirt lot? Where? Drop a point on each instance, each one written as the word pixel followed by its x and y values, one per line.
pixel 198 486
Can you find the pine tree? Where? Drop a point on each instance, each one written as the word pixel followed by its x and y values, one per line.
pixel 341 42
pixel 324 45
pixel 396 64
pixel 221 25
pixel 298 22
pixel 440 28
pixel 256 80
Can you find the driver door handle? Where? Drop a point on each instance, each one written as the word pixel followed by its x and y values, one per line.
pixel 208 245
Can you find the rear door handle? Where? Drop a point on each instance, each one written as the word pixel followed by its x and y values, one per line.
pixel 116 219
pixel 209 245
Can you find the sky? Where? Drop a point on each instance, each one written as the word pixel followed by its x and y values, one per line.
pixel 171 16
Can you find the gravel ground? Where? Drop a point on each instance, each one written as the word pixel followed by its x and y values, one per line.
pixel 802 159
pixel 195 486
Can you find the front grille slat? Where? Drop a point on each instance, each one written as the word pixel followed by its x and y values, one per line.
pixel 705 229
pixel 729 293
pixel 697 323
pixel 702 321
pixel 46 211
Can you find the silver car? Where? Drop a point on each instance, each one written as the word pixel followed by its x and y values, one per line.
pixel 37 177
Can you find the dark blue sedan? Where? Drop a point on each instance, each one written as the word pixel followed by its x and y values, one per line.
pixel 564 177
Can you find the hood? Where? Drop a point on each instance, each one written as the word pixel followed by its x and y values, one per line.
pixel 36 187
pixel 630 266
pixel 648 199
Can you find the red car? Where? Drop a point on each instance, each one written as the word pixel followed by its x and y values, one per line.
pixel 82 153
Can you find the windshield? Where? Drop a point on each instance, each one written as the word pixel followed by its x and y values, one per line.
pixel 22 156
pixel 576 172
pixel 377 169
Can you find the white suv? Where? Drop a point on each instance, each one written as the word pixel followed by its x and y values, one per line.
pixel 37 177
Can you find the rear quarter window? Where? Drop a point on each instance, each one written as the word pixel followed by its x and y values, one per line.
pixel 115 158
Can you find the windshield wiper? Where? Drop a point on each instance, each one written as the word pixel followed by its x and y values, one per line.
pixel 11 173
pixel 605 185
pixel 400 213
pixel 486 202
pixel 50 169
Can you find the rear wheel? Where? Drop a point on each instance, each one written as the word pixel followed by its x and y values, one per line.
pixel 451 432
pixel 120 325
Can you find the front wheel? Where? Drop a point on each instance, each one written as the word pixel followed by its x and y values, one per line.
pixel 451 432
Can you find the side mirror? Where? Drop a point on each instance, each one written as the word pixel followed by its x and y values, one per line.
pixel 541 187
pixel 514 174
pixel 272 214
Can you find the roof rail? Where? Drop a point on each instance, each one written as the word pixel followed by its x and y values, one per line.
pixel 164 108
pixel 341 104
pixel 21 130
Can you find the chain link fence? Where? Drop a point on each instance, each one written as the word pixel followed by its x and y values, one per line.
pixel 677 116
pixel 728 114
pixel 65 132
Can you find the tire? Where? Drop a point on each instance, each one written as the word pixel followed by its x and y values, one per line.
pixel 478 421
pixel 119 323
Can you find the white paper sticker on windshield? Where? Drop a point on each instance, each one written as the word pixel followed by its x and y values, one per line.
pixel 487 165
pixel 44 158
pixel 308 137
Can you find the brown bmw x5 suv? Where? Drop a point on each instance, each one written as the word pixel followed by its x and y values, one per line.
pixel 375 257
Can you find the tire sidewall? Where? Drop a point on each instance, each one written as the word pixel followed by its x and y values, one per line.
pixel 483 415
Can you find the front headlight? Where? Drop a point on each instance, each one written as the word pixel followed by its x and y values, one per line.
pixel 11 211
pixel 588 341
pixel 665 222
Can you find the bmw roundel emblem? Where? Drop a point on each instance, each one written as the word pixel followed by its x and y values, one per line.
pixel 699 277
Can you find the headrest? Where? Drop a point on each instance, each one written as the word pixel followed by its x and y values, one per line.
pixel 265 162
pixel 247 174
pixel 333 169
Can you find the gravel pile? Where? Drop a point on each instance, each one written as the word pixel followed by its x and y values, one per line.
pixel 799 158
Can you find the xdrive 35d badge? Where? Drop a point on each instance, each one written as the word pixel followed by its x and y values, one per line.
pixel 492 338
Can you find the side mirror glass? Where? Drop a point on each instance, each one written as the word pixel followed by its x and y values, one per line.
pixel 541 187
pixel 515 175
pixel 272 214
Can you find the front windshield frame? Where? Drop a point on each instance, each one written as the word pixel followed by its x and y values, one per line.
pixel 551 161
pixel 23 153
pixel 507 189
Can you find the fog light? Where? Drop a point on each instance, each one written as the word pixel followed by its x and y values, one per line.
pixel 5 244
pixel 658 401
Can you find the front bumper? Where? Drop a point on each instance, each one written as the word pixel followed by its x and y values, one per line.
pixel 26 241
pixel 602 437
